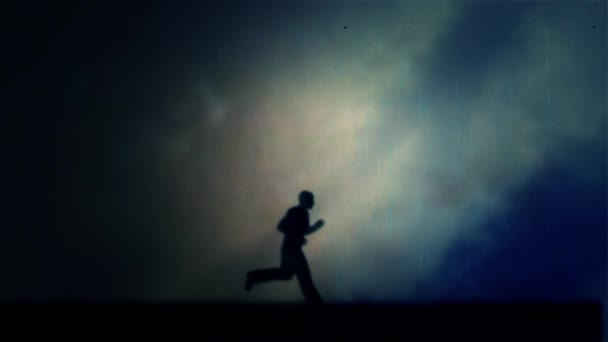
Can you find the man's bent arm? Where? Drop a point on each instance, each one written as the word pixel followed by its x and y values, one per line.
pixel 314 227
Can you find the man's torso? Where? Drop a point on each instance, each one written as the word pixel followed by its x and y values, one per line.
pixel 297 223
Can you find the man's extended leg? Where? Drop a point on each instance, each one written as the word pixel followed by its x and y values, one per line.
pixel 266 275
pixel 285 272
pixel 305 279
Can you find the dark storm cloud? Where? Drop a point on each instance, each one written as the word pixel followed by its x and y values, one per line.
pixel 424 129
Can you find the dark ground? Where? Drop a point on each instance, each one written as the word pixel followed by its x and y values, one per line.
pixel 403 322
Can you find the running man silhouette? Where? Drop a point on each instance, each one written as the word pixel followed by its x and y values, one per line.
pixel 294 225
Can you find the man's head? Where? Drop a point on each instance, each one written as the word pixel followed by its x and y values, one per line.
pixel 307 200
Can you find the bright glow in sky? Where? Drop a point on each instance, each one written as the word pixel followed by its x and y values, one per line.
pixel 414 127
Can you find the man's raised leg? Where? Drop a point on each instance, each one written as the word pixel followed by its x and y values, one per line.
pixel 266 275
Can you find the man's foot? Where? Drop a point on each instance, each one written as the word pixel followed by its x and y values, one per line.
pixel 248 283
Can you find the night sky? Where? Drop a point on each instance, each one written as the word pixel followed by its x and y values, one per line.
pixel 457 150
